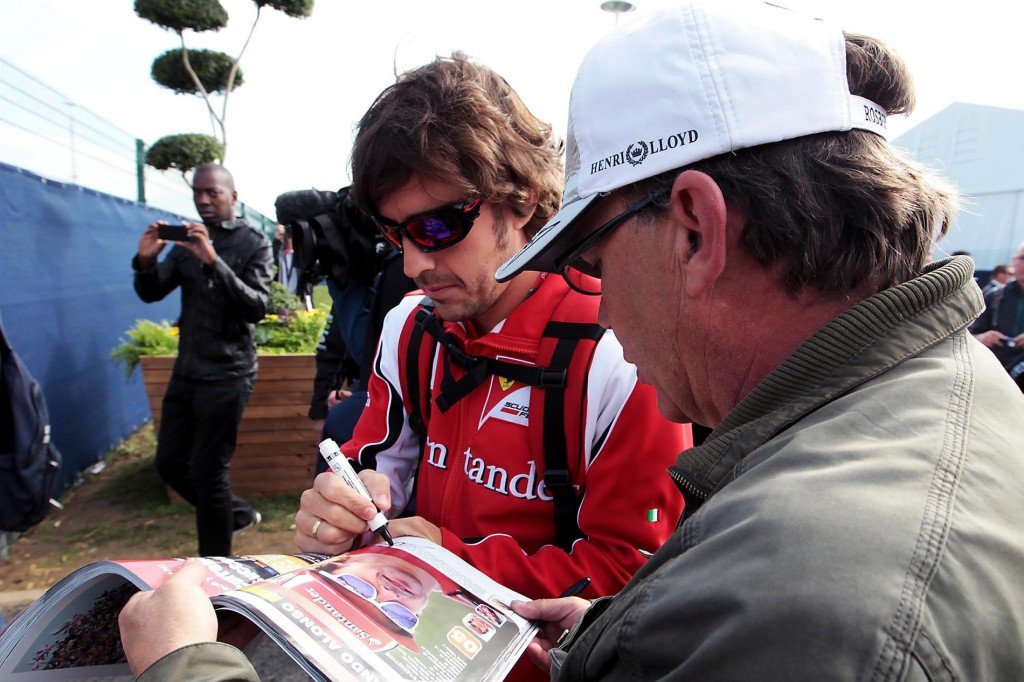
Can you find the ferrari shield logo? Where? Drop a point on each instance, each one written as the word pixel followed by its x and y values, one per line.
pixel 505 383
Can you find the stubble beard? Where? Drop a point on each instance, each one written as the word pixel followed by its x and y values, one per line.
pixel 478 300
pixel 482 295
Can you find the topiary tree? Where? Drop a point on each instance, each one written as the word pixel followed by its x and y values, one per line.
pixel 201 72
pixel 180 15
pixel 184 152
pixel 212 68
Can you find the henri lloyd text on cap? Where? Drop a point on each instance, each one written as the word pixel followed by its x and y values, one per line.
pixel 699 80
pixel 637 152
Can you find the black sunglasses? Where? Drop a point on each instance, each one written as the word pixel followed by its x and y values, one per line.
pixel 583 276
pixel 435 229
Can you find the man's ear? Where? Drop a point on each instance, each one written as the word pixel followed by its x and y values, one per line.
pixel 699 213
pixel 516 221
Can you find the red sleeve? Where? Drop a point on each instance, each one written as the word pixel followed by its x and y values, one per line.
pixel 629 503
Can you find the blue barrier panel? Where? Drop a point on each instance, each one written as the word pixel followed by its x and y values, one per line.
pixel 66 297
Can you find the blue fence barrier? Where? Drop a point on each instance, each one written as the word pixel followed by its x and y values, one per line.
pixel 66 297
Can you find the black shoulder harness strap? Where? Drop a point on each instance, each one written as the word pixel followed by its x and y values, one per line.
pixel 419 391
pixel 552 378
pixel 557 477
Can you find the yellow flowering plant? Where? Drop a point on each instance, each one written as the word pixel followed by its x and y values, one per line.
pixel 294 332
pixel 288 329
pixel 145 338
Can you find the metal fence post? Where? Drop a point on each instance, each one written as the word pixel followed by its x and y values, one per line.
pixel 140 169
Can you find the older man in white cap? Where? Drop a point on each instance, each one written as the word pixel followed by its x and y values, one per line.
pixel 856 512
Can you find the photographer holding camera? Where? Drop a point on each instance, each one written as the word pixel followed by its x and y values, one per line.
pixel 335 242
pixel 223 266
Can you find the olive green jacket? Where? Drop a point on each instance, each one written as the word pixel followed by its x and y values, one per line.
pixel 208 662
pixel 863 516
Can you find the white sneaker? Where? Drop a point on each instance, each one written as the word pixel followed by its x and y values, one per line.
pixel 256 518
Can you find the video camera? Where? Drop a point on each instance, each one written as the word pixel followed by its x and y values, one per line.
pixel 330 237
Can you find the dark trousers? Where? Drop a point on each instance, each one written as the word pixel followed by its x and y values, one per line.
pixel 198 430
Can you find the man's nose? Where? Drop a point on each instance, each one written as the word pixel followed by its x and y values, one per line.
pixel 414 261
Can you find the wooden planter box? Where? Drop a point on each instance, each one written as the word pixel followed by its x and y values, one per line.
pixel 277 449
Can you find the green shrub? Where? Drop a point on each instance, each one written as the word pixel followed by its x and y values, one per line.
pixel 179 15
pixel 145 338
pixel 293 8
pixel 183 152
pixel 211 67
pixel 294 333
pixel 287 329
pixel 282 301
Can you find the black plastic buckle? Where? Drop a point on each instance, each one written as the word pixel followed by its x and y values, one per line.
pixel 461 357
pixel 552 378
pixel 557 478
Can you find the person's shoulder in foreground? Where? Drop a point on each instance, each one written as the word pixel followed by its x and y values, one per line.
pixel 855 512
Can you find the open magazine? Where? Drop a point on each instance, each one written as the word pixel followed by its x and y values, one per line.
pixel 410 612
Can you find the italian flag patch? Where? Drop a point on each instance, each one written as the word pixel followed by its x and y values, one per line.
pixel 653 515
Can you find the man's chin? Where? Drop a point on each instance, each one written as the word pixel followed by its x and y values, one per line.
pixel 452 311
pixel 669 410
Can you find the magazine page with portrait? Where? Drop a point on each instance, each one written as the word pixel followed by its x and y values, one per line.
pixel 410 612
pixel 413 611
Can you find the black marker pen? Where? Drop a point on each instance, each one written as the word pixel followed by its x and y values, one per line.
pixel 575 588
pixel 340 465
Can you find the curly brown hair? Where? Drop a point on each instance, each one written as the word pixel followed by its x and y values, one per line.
pixel 460 123
pixel 838 212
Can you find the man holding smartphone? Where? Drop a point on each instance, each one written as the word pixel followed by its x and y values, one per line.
pixel 224 268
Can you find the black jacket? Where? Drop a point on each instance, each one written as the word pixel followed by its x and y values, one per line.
pixel 220 304
pixel 333 362
pixel 1004 312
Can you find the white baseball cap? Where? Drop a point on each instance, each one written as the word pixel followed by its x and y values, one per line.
pixel 689 83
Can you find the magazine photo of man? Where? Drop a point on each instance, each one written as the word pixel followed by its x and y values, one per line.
pixel 391 590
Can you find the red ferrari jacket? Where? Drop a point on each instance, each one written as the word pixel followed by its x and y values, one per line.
pixel 479 476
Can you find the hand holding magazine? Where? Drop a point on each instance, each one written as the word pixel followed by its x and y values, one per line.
pixel 409 612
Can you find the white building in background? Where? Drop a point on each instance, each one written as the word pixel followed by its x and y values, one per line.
pixel 981 149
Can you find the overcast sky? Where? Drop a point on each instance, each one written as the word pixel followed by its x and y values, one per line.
pixel 290 125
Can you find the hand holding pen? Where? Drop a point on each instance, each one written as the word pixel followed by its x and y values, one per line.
pixel 555 617
pixel 333 513
pixel 341 466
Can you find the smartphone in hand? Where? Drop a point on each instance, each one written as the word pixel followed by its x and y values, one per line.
pixel 173 233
